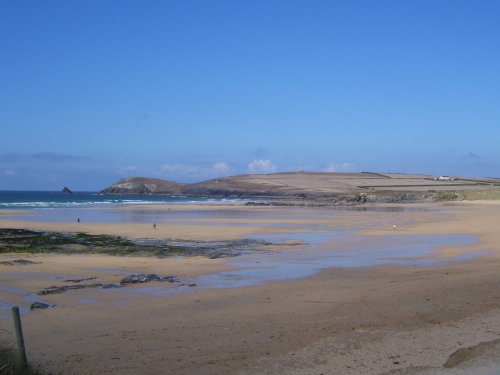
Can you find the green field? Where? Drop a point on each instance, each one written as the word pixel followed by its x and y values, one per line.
pixel 475 195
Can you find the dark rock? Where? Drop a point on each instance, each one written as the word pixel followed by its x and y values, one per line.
pixel 258 203
pixel 134 279
pixel 110 286
pixel 22 262
pixel 65 288
pixel 483 350
pixel 217 255
pixel 66 190
pixel 145 278
pixel 79 280
pixel 170 279
pixel 39 305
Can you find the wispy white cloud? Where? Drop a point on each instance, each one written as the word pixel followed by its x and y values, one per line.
pixel 129 168
pixel 41 156
pixel 343 167
pixel 217 169
pixel 179 169
pixel 221 168
pixel 10 157
pixel 54 156
pixel 261 166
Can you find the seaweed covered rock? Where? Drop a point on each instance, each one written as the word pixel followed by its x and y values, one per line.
pixel 145 278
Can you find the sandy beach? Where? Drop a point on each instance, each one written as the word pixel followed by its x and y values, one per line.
pixel 437 312
pixel 250 187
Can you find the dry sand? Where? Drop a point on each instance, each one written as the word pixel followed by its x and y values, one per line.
pixel 368 320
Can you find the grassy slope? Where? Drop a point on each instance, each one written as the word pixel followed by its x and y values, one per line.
pixel 473 195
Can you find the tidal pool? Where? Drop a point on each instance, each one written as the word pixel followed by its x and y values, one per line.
pixel 335 249
pixel 321 250
pixel 298 255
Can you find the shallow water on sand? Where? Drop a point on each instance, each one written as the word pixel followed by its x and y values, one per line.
pixel 176 215
pixel 336 249
pixel 299 254
pixel 310 253
pixel 320 251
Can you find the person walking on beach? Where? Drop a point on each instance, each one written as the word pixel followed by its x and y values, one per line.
pixel 154 225
pixel 78 220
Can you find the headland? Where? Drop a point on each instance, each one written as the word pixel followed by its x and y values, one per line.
pixel 315 188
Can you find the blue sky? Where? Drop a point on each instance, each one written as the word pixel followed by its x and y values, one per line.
pixel 93 91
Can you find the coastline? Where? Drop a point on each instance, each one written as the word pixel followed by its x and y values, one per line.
pixel 359 320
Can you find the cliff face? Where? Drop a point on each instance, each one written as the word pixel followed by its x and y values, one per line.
pixel 144 186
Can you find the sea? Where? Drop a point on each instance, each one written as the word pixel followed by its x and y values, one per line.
pixel 55 199
pixel 57 206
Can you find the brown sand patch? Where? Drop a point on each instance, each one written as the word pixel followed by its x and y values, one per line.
pixel 342 321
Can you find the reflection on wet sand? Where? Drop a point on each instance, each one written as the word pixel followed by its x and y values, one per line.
pixel 332 291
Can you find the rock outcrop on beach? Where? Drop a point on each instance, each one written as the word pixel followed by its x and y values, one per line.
pixel 320 188
pixel 146 278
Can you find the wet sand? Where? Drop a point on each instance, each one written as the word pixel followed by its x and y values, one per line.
pixel 356 320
